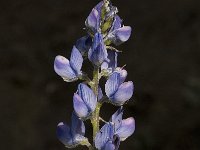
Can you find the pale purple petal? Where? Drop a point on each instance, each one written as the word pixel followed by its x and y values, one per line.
pixel 104 65
pixel 117 23
pixel 127 128
pixel 88 96
pixel 109 146
pixel 112 84
pixel 124 93
pixel 105 134
pixel 123 74
pixel 93 20
pixel 76 60
pixel 80 107
pixel 123 34
pixel 62 68
pixel 120 35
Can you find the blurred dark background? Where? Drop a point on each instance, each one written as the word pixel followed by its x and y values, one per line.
pixel 162 57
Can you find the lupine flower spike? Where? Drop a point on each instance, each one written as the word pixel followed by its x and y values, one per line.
pixel 104 29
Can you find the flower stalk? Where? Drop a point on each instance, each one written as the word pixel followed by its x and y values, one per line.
pixel 95 115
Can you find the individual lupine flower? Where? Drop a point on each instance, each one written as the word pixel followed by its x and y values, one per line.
pixel 84 101
pixel 72 135
pixel 117 90
pixel 98 53
pixel 106 139
pixel 119 34
pixel 69 70
pixel 84 44
pixel 123 128
pixel 111 64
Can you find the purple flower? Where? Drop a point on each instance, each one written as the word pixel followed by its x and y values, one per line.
pixel 98 53
pixel 83 44
pixel 117 90
pixel 73 135
pixel 120 35
pixel 106 139
pixel 110 135
pixel 84 101
pixel 123 128
pixel 69 70
pixel 111 64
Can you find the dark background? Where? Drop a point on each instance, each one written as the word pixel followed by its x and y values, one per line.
pixel 162 57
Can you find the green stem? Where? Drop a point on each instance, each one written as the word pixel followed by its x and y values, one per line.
pixel 95 115
pixel 87 143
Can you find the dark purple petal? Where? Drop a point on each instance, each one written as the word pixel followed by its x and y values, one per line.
pixel 80 107
pixel 83 44
pixel 124 93
pixel 64 134
pixel 88 96
pixel 112 56
pixel 77 126
pixel 100 94
pixel 111 63
pixel 105 134
pixel 98 53
pixel 112 84
pixel 62 68
pixel 126 129
pixel 116 141
pixel 76 60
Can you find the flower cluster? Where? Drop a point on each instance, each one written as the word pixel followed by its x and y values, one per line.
pixel 104 30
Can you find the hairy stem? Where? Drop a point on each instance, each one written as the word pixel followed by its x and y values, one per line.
pixel 95 116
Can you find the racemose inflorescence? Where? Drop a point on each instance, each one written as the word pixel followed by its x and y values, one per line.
pixel 105 29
